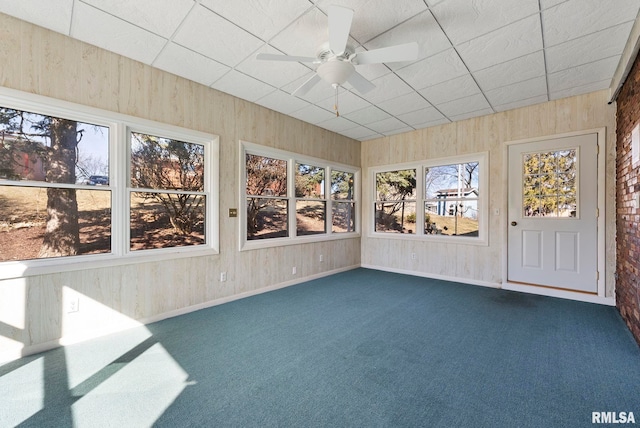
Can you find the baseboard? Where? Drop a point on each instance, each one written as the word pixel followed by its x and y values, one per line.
pixel 8 356
pixel 561 294
pixel 435 276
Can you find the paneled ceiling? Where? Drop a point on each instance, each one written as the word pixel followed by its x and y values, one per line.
pixel 476 57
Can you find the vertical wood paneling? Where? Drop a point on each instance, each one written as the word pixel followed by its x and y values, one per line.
pixel 488 133
pixel 39 61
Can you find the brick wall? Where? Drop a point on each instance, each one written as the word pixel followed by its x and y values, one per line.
pixel 628 217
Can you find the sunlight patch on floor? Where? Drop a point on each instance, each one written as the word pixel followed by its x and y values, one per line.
pixel 141 390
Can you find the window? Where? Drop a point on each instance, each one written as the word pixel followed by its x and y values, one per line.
pixel 451 199
pixel 285 198
pixel 435 199
pixel 167 195
pixel 55 199
pixel 343 213
pixel 267 203
pixel 69 196
pixel 311 205
pixel 395 204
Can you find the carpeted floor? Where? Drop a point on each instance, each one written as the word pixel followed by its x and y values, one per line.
pixel 358 349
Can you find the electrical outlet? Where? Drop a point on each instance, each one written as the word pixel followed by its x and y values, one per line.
pixel 73 304
pixel 321 258
pixel 223 276
pixel 293 271
pixel 413 256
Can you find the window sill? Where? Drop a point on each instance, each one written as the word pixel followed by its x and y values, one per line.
pixel 27 268
pixel 280 242
pixel 445 239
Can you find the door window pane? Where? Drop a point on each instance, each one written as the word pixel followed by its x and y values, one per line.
pixel 549 184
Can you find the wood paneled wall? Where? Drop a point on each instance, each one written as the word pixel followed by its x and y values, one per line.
pixel 473 263
pixel 39 61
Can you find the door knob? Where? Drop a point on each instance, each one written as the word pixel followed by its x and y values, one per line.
pixel 514 223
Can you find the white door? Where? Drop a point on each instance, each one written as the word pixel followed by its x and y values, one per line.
pixel 552 232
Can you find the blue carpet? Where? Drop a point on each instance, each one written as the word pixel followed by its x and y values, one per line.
pixel 358 349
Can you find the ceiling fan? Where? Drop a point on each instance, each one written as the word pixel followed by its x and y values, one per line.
pixel 337 59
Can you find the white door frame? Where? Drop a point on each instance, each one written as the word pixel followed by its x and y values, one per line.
pixel 566 294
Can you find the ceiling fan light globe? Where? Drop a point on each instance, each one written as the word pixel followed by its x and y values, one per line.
pixel 335 72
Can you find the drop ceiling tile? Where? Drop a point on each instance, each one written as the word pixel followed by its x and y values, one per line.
pixel 507 43
pixel 387 87
pixel 101 29
pixel 518 91
pixel 404 104
pixel 337 124
pixel 264 19
pixel 399 131
pixel 275 73
pixel 361 133
pixel 546 4
pixel 372 137
pixel 422 29
pixel 571 19
pixel 367 115
pixel 578 90
pixel 522 103
pixel 161 17
pixel 429 124
pixel 433 70
pixel 52 14
pixel 207 33
pixel 305 36
pixel 463 20
pixel 472 114
pixel 387 125
pixel 460 87
pixel 282 102
pixel 242 86
pixel 347 102
pixel 583 74
pixel 418 117
pixel 463 105
pixel 589 48
pixel 372 18
pixel 519 69
pixel 189 64
pixel 312 114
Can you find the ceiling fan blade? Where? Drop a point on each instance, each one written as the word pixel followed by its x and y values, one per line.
pixel 306 86
pixel 405 52
pixel 360 83
pixel 278 57
pixel 339 26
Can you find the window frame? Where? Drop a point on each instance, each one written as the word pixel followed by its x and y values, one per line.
pixel 483 210
pixel 292 159
pixel 119 127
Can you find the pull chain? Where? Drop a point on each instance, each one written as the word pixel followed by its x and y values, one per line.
pixel 335 105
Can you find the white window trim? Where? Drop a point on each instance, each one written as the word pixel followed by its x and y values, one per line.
pixel 292 159
pixel 483 206
pixel 119 125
